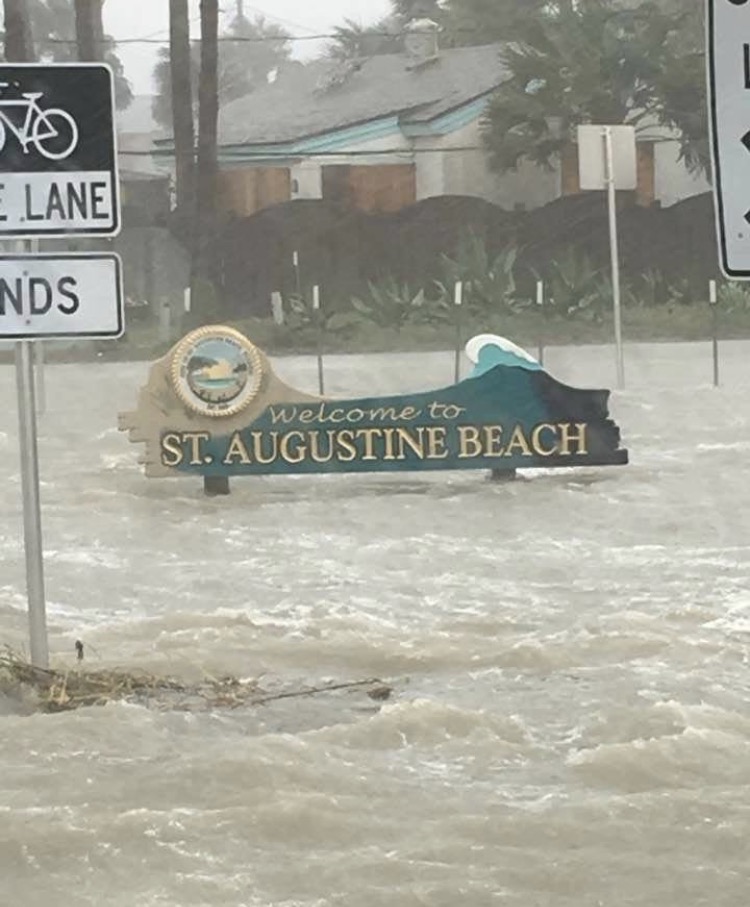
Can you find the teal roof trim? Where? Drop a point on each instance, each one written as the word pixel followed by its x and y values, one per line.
pixel 340 139
pixel 447 122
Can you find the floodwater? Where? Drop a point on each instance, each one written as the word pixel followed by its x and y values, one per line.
pixel 570 723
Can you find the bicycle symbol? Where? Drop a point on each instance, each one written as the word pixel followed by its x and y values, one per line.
pixel 53 132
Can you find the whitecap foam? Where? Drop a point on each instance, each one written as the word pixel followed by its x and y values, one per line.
pixel 426 723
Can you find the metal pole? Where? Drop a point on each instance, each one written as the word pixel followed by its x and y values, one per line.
pixel 458 298
pixel 540 306
pixel 32 517
pixel 614 251
pixel 297 278
pixel 41 387
pixel 277 308
pixel 713 302
pixel 319 325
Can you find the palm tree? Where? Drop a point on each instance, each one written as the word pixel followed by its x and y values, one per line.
pixel 594 62
pixel 352 40
pixel 89 29
pixel 182 111
pixel 470 22
pixel 204 269
pixel 18 42
pixel 404 10
pixel 244 64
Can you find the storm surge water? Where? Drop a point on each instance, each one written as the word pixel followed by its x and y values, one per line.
pixel 569 654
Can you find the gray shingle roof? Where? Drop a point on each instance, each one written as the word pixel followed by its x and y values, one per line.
pixel 299 105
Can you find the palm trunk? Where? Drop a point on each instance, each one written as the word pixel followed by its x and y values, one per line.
pixel 89 29
pixel 182 113
pixel 204 275
pixel 18 43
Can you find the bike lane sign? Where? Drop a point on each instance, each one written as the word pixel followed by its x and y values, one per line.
pixel 58 156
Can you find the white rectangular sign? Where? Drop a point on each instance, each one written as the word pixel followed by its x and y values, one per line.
pixel 56 202
pixel 66 295
pixel 592 164
pixel 729 90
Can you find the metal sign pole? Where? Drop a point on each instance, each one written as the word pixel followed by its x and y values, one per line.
pixel 609 167
pixel 458 298
pixel 713 301
pixel 540 308
pixel 41 386
pixel 32 516
pixel 319 331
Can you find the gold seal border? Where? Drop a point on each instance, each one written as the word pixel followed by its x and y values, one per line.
pixel 217 333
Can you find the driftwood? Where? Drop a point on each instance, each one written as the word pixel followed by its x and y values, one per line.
pixel 55 690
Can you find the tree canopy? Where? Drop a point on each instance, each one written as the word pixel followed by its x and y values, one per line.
pixel 53 30
pixel 570 62
pixel 243 65
pixel 598 61
pixel 384 36
pixel 352 41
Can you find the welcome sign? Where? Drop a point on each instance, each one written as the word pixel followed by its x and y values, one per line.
pixel 214 407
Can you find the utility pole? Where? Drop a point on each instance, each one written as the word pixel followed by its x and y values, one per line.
pixel 180 70
pixel 208 118
pixel 89 29
pixel 18 42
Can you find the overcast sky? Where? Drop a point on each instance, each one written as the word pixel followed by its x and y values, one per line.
pixel 150 18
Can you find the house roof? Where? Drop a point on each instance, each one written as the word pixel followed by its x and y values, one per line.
pixel 326 96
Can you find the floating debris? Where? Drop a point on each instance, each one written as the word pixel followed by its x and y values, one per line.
pixel 380 692
pixel 62 690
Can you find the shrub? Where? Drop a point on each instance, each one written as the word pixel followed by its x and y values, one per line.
pixel 489 282
pixel 734 297
pixel 391 304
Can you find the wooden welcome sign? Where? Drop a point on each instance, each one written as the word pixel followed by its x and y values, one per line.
pixel 214 407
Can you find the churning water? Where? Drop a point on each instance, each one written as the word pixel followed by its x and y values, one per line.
pixel 570 724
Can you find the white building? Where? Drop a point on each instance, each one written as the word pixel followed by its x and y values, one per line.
pixel 383 132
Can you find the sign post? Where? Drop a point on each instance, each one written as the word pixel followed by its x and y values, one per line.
pixel 58 178
pixel 607 160
pixel 713 301
pixel 540 309
pixel 729 102
pixel 458 298
pixel 32 517
pixel 614 249
pixel 41 386
pixel 318 316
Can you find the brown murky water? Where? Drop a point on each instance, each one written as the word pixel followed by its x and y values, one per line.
pixel 570 656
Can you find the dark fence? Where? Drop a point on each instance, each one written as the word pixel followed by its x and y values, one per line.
pixel 341 249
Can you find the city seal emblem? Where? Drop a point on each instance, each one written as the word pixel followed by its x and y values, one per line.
pixel 216 371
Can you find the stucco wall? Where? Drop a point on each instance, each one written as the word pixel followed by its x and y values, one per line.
pixel 308 172
pixel 463 169
pixel 457 164
pixel 430 173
